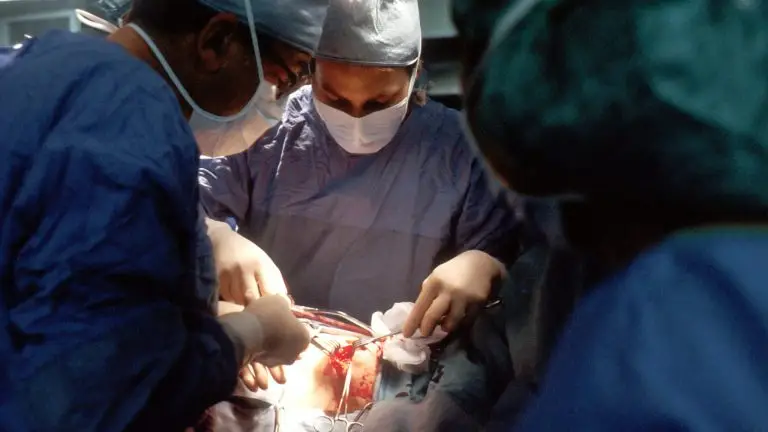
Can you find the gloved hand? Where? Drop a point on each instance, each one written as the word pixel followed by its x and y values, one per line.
pixel 455 290
pixel 254 375
pixel 266 332
pixel 242 266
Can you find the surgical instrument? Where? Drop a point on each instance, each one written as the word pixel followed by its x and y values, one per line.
pixel 362 342
pixel 327 347
pixel 304 311
pixel 328 424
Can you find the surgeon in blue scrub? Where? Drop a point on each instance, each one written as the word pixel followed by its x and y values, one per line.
pixel 365 196
pixel 646 123
pixel 288 32
pixel 107 321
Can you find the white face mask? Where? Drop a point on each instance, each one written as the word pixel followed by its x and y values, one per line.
pixel 268 104
pixel 222 139
pixel 218 135
pixel 368 134
pixel 216 139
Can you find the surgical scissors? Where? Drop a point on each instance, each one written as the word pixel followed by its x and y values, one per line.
pixel 328 424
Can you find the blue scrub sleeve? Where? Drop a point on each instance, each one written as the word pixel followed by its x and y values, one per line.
pixel 487 221
pixel 673 344
pixel 113 337
pixel 225 186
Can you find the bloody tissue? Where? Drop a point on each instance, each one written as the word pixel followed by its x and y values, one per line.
pixel 340 359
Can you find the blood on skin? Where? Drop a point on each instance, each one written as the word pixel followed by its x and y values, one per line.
pixel 363 387
pixel 316 381
pixel 340 360
pixel 362 384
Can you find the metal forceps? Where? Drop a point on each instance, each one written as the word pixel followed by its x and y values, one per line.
pixel 334 314
pixel 328 424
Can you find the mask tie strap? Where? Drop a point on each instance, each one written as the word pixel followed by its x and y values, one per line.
pixel 95 22
pixel 183 91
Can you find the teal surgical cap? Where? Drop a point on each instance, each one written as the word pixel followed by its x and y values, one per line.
pixel 655 103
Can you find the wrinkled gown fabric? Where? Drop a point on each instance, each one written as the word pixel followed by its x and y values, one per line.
pixel 359 232
pixel 676 341
pixel 105 315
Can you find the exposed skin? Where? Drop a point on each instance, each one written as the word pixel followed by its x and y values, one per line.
pixel 359 90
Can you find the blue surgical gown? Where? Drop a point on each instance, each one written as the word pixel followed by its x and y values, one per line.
pixel 105 322
pixel 360 232
pixel 678 341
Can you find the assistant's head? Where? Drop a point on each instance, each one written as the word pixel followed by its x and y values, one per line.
pixel 209 50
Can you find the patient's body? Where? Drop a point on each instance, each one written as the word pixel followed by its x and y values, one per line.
pixel 313 387
pixel 463 383
pixel 316 382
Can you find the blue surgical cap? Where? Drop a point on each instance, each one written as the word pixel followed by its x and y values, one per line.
pixel 371 32
pixel 295 22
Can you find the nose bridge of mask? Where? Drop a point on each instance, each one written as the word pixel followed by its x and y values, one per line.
pixel 357 129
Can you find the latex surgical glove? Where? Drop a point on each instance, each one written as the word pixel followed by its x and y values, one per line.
pixel 254 375
pixel 266 332
pixel 241 266
pixel 454 291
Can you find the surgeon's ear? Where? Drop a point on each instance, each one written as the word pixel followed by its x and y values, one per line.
pixel 214 40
